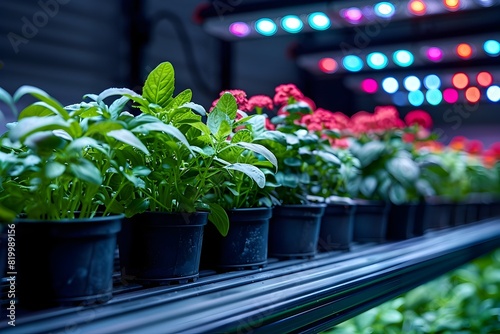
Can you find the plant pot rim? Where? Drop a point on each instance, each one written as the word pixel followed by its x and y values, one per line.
pixel 260 208
pixel 311 205
pixel 360 201
pixel 92 220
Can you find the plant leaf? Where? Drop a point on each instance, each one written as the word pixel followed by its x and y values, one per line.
pixel 227 105
pixel 86 171
pixel 54 169
pixel 115 91
pixel 127 137
pixel 31 124
pixel 42 96
pixel 159 85
pixel 257 148
pixel 215 120
pixel 251 171
pixel 165 128
pixel 368 186
pixel 195 107
pixel 218 217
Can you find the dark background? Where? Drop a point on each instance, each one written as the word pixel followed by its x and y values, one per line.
pixel 73 47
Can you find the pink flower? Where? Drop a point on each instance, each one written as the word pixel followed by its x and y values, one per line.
pixel 340 143
pixel 239 95
pixel 419 117
pixel 474 147
pixel 260 101
pixel 286 92
pixel 269 125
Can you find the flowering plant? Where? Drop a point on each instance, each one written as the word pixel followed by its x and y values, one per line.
pixel 388 170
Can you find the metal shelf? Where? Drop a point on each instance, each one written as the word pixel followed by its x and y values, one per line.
pixel 303 295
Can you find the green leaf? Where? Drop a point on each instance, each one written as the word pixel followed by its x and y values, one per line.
pixel 329 157
pixel 86 171
pixel 368 186
pixel 42 96
pixel 215 120
pixel 6 215
pixel 165 128
pixel 195 107
pixel 397 194
pixel 79 144
pixel 117 106
pixel 31 124
pixel 292 162
pixel 137 205
pixel 251 171
pixel 403 169
pixel 391 317
pixel 127 137
pixel 44 141
pixel 257 124
pixel 369 152
pixel 257 148
pixel 103 127
pixel 159 85
pixel 243 135
pixel 181 98
pixel 54 169
pixel 218 217
pixel 287 180
pixel 227 105
pixel 8 100
pixel 115 91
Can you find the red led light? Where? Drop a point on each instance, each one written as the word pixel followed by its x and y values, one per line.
pixel 328 65
pixel 464 50
pixel 460 80
pixel 417 7
pixel 484 79
pixel 472 94
pixel 450 95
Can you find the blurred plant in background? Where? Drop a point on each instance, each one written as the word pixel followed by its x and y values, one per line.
pixel 465 301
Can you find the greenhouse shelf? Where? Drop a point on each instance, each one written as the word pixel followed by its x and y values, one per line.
pixel 300 295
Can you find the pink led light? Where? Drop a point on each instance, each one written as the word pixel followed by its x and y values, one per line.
pixel 369 86
pixel 434 54
pixel 450 95
pixel 239 29
pixel 353 14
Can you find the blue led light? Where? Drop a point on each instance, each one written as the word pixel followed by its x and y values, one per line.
pixel 292 24
pixel 411 83
pixel 493 93
pixel 432 81
pixel 319 21
pixel 403 58
pixel 352 63
pixel 390 85
pixel 492 47
pixel 399 98
pixel 376 60
pixel 416 98
pixel 266 27
pixel 384 9
pixel 434 96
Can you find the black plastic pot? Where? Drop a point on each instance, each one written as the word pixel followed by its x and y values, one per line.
pixel 400 221
pixel 459 214
pixel 438 214
pixel 419 225
pixel 370 221
pixel 336 228
pixel 65 262
pixel 162 247
pixel 244 247
pixel 294 230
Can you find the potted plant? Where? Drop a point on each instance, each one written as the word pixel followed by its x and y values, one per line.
pixel 247 201
pixel 60 184
pixel 334 165
pixel 162 240
pixel 295 224
pixel 388 174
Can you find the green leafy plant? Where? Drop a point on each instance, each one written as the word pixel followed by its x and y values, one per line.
pixel 192 161
pixel 60 162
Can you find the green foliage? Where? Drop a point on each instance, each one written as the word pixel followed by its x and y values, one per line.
pixel 57 161
pixel 466 300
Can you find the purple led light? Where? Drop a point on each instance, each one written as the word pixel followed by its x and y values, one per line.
pixel 353 14
pixel 239 29
pixel 434 54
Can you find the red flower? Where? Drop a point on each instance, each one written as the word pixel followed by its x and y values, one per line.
pixel 269 125
pixel 285 92
pixel 387 118
pixel 340 143
pixel 419 117
pixel 474 146
pixel 239 95
pixel 458 143
pixel 408 137
pixel 260 101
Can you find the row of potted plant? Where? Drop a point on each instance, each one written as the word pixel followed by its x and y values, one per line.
pixel 274 177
